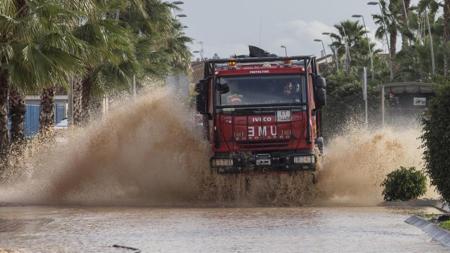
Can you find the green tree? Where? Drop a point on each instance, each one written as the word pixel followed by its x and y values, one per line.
pixel 436 140
pixel 111 57
pixel 352 44
pixel 137 38
pixel 36 50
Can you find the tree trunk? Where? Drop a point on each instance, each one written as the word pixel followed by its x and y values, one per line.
pixel 393 43
pixel 446 35
pixel 47 114
pixel 86 90
pixel 393 51
pixel 77 110
pixel 4 136
pixel 17 110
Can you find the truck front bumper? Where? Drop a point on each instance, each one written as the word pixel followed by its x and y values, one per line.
pixel 279 161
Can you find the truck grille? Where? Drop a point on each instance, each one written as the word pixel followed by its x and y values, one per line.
pixel 264 144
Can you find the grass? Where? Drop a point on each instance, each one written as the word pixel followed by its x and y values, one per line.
pixel 445 225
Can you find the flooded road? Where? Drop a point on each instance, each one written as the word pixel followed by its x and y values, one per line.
pixel 310 229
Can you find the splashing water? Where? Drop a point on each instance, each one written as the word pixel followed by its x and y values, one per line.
pixel 150 152
pixel 357 162
pixel 148 149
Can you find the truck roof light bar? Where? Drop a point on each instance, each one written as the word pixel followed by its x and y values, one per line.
pixel 260 59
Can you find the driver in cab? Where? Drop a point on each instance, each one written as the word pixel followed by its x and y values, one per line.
pixel 291 92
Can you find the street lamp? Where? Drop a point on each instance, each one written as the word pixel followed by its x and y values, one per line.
pixel 181 15
pixel 178 2
pixel 368 41
pixel 333 49
pixel 323 46
pixel 285 50
pixel 391 70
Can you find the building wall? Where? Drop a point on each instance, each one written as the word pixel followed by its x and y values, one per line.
pixel 33 109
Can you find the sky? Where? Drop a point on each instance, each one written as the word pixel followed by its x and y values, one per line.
pixel 227 27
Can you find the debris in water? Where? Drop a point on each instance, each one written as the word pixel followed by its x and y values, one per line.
pixel 127 248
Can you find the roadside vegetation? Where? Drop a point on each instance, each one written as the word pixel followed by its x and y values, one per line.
pixel 445 225
pixel 97 47
pixel 423 56
pixel 436 139
pixel 413 61
pixel 404 184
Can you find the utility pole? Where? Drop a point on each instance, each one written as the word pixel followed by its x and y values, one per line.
pixel 134 86
pixel 382 105
pixel 366 106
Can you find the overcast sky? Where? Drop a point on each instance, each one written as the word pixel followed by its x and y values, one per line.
pixel 227 27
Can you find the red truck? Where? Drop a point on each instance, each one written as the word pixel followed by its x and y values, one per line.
pixel 262 113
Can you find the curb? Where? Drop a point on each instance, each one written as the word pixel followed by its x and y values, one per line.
pixel 437 233
pixel 442 206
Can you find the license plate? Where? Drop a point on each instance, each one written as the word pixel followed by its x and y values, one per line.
pixel 283 116
pixel 263 162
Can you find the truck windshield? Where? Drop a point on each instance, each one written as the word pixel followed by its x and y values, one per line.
pixel 261 90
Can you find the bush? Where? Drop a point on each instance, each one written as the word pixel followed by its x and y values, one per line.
pixel 436 140
pixel 404 184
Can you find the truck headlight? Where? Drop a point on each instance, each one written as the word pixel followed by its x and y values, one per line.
pixel 304 159
pixel 222 162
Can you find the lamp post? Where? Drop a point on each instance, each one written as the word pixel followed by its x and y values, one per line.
pixel 201 49
pixel 323 46
pixel 181 15
pixel 391 70
pixel 334 50
pixel 285 50
pixel 368 42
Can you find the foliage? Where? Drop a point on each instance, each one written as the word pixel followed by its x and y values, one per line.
pixel 445 225
pixel 36 47
pixel 352 45
pixel 404 184
pixel 436 141
pixel 48 43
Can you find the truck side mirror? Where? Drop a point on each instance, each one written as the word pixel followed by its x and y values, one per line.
pixel 320 91
pixel 201 99
pixel 321 82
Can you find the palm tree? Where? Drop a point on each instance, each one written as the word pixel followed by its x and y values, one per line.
pixel 351 42
pixel 139 38
pixel 36 50
pixel 433 7
pixel 111 59
pixel 388 23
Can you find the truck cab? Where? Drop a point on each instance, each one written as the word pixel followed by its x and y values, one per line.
pixel 262 114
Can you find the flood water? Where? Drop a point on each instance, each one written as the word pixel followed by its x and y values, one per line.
pixel 309 229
